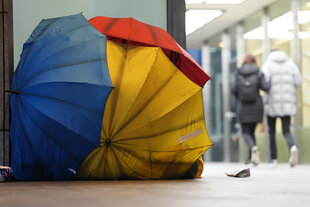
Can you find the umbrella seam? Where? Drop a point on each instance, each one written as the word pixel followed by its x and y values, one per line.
pixel 66 102
pixel 163 114
pixel 59 37
pixel 49 135
pixel 163 132
pixel 179 150
pixel 147 102
pixel 62 66
pixel 115 98
pixel 28 51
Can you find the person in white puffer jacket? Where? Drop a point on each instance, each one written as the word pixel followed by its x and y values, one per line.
pixel 284 77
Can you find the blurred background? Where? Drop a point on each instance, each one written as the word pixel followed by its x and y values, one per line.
pixel 219 34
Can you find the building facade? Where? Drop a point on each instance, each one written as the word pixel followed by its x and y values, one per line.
pixel 284 25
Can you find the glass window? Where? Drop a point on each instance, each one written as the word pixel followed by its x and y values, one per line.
pixel 280 26
pixel 253 35
pixel 279 8
pixel 233 103
pixel 304 21
pixel 216 128
pixel 304 35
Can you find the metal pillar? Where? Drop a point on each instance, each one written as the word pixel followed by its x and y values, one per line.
pixel 206 91
pixel 266 51
pixel 226 94
pixel 176 21
pixel 240 44
pixel 296 58
pixel 240 55
pixel 266 41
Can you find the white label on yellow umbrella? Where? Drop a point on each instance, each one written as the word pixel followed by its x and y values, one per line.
pixel 191 135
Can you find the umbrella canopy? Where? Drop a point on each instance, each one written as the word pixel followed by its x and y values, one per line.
pixel 132 31
pixel 153 125
pixel 60 89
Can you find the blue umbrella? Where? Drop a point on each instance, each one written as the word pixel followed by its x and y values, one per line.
pixel 60 88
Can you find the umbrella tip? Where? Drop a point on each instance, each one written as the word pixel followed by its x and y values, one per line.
pixel 107 142
pixel 11 91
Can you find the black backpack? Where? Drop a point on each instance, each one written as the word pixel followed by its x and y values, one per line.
pixel 248 87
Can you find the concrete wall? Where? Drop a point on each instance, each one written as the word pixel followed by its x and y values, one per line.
pixel 28 13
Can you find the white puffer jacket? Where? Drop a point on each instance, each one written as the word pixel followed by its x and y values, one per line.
pixel 284 77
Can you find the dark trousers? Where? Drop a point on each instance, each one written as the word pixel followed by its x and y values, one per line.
pixel 248 134
pixel 286 122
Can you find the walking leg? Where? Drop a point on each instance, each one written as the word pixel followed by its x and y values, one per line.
pixel 286 123
pixel 272 130
pixel 246 134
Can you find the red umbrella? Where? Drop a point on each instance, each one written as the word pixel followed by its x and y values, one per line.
pixel 132 31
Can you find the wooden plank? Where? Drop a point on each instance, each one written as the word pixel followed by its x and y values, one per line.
pixel 1 87
pixel 6 5
pixel 1 147
pixel 1 74
pixel 8 65
pixel 6 76
pixel 7 149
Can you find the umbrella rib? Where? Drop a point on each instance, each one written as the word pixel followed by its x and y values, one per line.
pixel 114 98
pixel 178 150
pixel 51 42
pixel 124 151
pixel 146 102
pixel 61 67
pixel 109 25
pixel 104 133
pixel 104 159
pixel 150 28
pixel 41 154
pixel 51 137
pixel 61 36
pixel 47 27
pixel 149 162
pixel 192 74
pixel 62 101
pixel 142 108
pixel 85 162
pixel 28 141
pixel 162 132
pixel 28 51
pixel 117 159
pixel 65 65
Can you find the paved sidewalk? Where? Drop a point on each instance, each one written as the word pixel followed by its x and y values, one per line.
pixel 280 186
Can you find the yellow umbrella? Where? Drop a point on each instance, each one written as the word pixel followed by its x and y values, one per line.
pixel 153 125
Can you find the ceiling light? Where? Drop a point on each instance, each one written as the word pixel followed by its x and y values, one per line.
pixel 194 19
pixel 255 34
pixel 194 1
pixel 281 27
pixel 224 1
pixel 214 1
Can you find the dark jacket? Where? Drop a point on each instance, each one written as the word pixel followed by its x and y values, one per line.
pixel 249 112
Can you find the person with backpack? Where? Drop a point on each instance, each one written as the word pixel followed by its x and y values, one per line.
pixel 284 77
pixel 248 82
